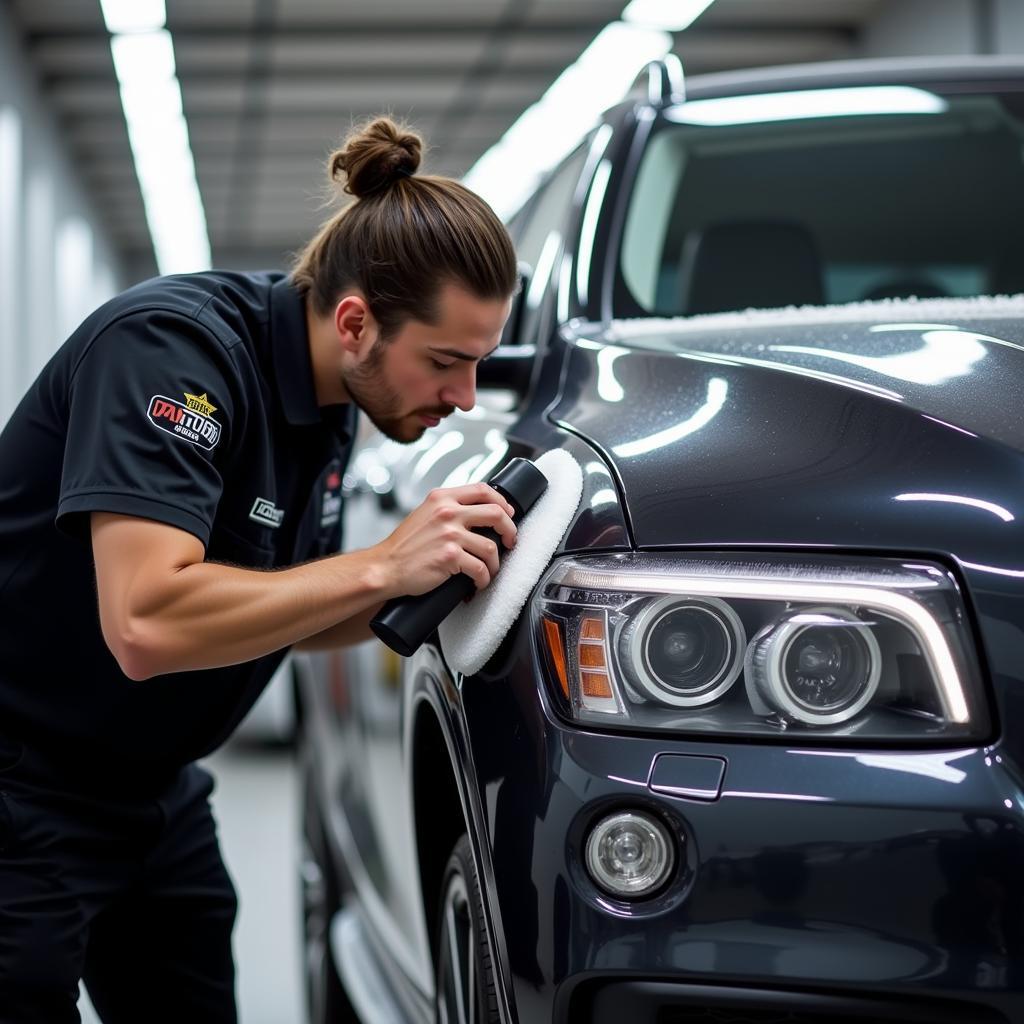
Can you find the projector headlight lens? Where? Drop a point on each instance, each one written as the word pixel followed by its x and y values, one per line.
pixel 629 854
pixel 868 648
pixel 820 666
pixel 683 653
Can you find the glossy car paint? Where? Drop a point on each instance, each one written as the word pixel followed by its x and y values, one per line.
pixel 845 870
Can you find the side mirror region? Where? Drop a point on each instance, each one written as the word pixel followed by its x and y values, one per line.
pixel 513 326
pixel 508 367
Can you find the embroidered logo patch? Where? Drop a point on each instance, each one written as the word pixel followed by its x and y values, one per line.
pixel 330 511
pixel 193 421
pixel 264 511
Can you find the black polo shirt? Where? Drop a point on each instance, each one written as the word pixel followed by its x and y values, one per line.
pixel 190 401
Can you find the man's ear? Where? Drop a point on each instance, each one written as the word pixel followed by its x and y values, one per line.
pixel 356 328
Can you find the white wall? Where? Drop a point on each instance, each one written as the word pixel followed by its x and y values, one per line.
pixel 1009 26
pixel 56 260
pixel 918 27
pixel 904 28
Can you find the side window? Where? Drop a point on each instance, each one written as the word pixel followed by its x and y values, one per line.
pixel 540 238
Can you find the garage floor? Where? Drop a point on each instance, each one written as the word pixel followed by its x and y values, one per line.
pixel 255 803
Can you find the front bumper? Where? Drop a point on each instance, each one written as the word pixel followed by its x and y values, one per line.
pixel 846 874
pixel 666 1002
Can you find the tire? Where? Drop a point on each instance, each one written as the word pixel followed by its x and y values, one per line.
pixel 326 999
pixel 463 972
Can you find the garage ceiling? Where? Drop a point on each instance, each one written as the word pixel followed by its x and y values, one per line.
pixel 270 86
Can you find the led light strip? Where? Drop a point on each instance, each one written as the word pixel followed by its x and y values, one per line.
pixel 906 610
pixel 143 56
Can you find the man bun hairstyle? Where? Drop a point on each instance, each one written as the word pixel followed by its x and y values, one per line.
pixel 404 237
pixel 375 157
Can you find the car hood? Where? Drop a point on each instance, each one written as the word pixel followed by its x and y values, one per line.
pixel 874 425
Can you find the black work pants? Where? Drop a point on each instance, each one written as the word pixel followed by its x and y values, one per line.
pixel 128 894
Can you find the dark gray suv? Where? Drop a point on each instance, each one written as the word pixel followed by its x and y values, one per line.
pixel 750 753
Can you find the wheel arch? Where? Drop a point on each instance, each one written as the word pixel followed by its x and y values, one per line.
pixel 438 814
pixel 444 806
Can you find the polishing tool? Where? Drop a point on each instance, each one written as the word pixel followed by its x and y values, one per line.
pixel 472 633
pixel 405 622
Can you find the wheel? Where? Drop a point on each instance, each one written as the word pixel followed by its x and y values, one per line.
pixel 326 1000
pixel 465 979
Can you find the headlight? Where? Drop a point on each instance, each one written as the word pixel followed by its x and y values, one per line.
pixel 865 648
pixel 682 653
pixel 821 666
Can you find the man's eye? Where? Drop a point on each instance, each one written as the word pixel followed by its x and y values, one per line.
pixel 440 366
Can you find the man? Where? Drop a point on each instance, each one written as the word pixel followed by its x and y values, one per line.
pixel 169 492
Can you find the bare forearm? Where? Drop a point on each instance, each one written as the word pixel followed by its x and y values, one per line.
pixel 208 615
pixel 163 608
pixel 352 631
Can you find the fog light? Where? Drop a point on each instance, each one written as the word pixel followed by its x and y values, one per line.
pixel 629 854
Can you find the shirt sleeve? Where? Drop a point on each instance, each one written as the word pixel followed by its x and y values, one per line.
pixel 149 414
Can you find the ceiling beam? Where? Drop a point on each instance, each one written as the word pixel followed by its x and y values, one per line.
pixel 317 35
pixel 415 110
pixel 238 206
pixel 540 72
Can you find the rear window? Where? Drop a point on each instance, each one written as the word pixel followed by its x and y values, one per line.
pixel 756 204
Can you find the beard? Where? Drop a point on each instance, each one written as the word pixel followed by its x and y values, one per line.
pixel 368 387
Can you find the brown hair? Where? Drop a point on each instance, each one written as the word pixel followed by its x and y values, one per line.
pixel 405 236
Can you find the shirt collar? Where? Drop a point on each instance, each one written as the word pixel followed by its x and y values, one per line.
pixel 342 420
pixel 293 370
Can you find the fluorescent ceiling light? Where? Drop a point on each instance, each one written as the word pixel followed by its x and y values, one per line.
pixel 161 184
pixel 790 106
pixel 143 57
pixel 170 135
pixel 133 15
pixel 671 15
pixel 550 129
pixel 158 135
pixel 149 106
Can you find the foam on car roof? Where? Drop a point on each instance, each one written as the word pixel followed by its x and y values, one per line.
pixel 981 307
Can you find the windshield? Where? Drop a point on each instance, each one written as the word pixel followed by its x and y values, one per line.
pixel 756 204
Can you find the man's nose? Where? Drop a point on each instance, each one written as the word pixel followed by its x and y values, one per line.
pixel 461 393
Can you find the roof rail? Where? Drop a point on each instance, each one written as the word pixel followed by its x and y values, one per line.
pixel 661 82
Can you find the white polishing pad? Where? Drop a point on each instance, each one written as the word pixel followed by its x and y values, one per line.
pixel 474 630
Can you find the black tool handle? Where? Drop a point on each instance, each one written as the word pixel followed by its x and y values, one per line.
pixel 405 622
